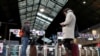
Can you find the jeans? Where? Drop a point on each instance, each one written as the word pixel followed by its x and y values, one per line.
pixel 24 41
pixel 4 50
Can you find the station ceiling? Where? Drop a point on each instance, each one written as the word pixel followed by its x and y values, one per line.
pixel 15 12
pixel 31 10
pixel 87 13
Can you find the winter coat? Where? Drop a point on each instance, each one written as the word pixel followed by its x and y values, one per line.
pixel 68 29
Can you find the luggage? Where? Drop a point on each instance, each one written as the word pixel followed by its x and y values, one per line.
pixel 33 51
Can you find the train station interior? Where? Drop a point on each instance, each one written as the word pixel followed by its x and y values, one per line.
pixel 46 34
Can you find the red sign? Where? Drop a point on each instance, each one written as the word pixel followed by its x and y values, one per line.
pixel 98 45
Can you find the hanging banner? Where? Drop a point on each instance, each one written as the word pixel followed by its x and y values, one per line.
pixel 34 32
pixel 1 47
pixel 15 31
pixel 86 35
pixel 40 33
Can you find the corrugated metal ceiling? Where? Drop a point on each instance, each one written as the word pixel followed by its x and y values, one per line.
pixel 30 10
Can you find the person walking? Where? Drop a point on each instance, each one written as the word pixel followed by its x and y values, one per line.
pixel 25 37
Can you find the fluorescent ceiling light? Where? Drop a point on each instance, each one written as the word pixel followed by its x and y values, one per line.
pixel 94 32
pixel 44 16
pixel 84 2
pixel 42 10
pixel 42 20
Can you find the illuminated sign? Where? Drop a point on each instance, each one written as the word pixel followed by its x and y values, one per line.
pixel 1 47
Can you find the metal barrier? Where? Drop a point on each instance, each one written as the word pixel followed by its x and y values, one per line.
pixel 15 50
pixel 50 50
pixel 46 50
pixel 89 51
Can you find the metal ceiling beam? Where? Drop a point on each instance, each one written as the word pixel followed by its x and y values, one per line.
pixel 29 6
pixel 43 18
pixel 52 9
pixel 47 3
pixel 26 9
pixel 40 26
pixel 49 15
pixel 28 12
pixel 30 16
pixel 37 11
pixel 42 5
pixel 32 11
pixel 38 16
pixel 38 23
pixel 21 0
pixel 56 2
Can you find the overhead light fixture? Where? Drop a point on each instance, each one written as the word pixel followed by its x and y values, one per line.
pixel 44 16
pixel 43 20
pixel 84 2
pixel 42 10
pixel 94 32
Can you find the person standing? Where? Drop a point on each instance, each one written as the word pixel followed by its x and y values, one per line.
pixel 68 27
pixel 25 37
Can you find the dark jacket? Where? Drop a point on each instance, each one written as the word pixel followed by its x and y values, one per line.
pixel 26 30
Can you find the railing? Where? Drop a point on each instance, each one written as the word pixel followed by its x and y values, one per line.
pixel 44 50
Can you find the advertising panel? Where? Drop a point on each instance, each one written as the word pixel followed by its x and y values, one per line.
pixel 1 47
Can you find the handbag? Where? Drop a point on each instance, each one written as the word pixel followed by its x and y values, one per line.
pixel 21 33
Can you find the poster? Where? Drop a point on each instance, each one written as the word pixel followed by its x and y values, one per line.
pixel 15 31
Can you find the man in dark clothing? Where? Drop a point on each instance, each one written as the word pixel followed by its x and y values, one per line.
pixel 25 37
